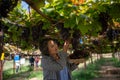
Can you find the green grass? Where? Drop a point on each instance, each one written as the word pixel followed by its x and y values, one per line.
pixel 37 74
pixel 26 72
pixel 90 72
pixel 9 73
pixel 116 62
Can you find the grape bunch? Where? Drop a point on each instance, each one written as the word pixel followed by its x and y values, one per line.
pixel 77 54
pixel 75 39
pixel 104 18
pixel 76 33
pixel 6 6
pixel 37 31
pixel 64 32
pixel 96 42
pixel 25 33
pixel 0 25
pixel 110 35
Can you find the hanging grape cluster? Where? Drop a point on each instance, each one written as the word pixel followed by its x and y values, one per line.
pixel 0 26
pixel 35 33
pixel 77 54
pixel 6 6
pixel 104 18
pixel 96 42
pixel 112 34
pixel 75 39
pixel 25 33
pixel 64 32
pixel 6 31
pixel 38 33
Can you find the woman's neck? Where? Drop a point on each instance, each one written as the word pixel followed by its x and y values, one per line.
pixel 56 56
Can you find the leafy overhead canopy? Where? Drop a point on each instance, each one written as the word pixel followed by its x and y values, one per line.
pixel 49 14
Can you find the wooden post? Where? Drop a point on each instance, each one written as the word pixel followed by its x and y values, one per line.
pixel 91 58
pixel 1 69
pixel 1 51
pixel 85 64
pixel 14 67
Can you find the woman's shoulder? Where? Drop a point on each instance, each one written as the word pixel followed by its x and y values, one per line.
pixel 44 57
pixel 47 59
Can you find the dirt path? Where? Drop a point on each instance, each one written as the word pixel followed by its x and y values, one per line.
pixel 108 72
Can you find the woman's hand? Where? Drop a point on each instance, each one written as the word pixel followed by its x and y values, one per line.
pixel 66 46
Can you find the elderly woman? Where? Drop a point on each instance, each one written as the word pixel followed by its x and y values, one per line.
pixel 55 63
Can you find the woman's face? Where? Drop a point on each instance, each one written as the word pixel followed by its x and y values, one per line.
pixel 52 47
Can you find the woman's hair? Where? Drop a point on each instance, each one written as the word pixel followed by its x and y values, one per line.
pixel 43 45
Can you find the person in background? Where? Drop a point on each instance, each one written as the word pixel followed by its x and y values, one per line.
pixel 31 60
pixel 55 63
pixel 37 59
pixel 17 61
pixel 22 61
